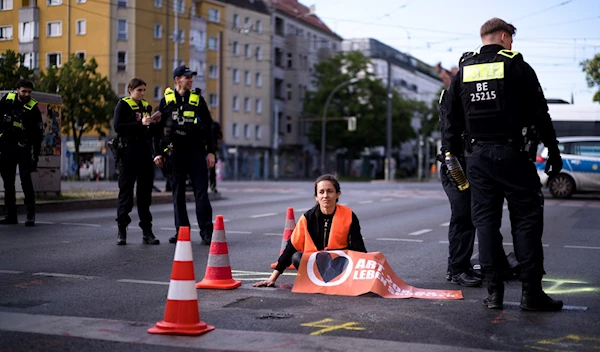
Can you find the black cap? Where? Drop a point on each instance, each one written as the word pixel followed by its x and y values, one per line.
pixel 183 70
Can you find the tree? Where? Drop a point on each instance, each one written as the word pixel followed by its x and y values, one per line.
pixel 12 68
pixel 87 98
pixel 592 74
pixel 365 99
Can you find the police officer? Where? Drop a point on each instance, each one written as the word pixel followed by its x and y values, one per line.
pixel 497 99
pixel 21 135
pixel 135 128
pixel 187 143
pixel 217 136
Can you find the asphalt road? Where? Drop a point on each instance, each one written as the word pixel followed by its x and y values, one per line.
pixel 66 285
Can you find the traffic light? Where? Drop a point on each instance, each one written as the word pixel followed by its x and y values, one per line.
pixel 352 123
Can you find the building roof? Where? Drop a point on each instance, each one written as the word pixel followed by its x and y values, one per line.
pixel 301 13
pixel 253 5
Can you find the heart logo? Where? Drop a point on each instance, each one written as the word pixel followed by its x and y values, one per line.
pixel 330 268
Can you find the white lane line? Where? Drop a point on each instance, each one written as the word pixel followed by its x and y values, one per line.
pixel 262 215
pixel 445 242
pixel 365 202
pixel 302 209
pixel 244 272
pixel 10 272
pixel 344 204
pixel 144 282
pixel 564 307
pixel 168 228
pixel 79 224
pixel 446 224
pixel 64 275
pixel 272 234
pixel 387 199
pixel 45 222
pixel 398 239
pixel 582 247
pixel 239 232
pixel 420 232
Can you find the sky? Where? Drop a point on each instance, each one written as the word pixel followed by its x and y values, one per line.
pixel 553 36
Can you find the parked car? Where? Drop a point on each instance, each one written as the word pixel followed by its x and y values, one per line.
pixel 581 170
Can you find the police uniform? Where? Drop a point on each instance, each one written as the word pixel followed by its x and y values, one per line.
pixel 186 141
pixel 21 134
pixel 135 163
pixel 497 99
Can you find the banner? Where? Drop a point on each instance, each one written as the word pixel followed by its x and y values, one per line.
pixel 349 273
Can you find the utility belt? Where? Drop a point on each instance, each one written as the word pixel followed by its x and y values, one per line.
pixel 509 142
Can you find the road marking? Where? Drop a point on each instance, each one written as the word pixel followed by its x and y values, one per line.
pixel 387 199
pixel 239 232
pixel 365 202
pixel 262 215
pixel 445 242
pixel 398 239
pixel 144 282
pixel 582 247
pixel 564 307
pixel 64 275
pixel 302 209
pixel 243 272
pixel 10 272
pixel 420 232
pixel 446 224
pixel 327 327
pixel 44 222
pixel 272 234
pixel 79 224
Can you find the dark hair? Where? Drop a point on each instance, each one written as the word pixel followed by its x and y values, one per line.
pixel 23 83
pixel 136 82
pixel 497 25
pixel 328 177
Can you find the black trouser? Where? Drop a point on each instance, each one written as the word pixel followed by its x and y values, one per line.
pixel 461 231
pixel 496 172
pixel 136 165
pixel 13 155
pixel 191 162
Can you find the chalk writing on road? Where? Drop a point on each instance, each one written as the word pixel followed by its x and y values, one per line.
pixel 328 325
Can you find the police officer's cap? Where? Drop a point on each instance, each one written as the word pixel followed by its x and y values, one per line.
pixel 183 70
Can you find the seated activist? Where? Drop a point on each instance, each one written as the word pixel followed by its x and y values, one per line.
pixel 327 226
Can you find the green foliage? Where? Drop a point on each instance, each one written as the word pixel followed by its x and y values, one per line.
pixel 87 97
pixel 12 69
pixel 592 74
pixel 365 99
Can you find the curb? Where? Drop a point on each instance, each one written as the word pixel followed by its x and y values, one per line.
pixel 104 203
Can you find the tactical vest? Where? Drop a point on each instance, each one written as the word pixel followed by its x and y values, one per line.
pixel 487 100
pixel 134 106
pixel 13 127
pixel 184 120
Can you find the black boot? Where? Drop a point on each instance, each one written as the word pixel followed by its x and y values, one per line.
pixel 535 299
pixel 30 219
pixel 173 239
pixel 9 220
pixel 495 298
pixel 149 238
pixel 122 235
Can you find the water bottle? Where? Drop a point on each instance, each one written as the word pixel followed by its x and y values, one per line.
pixel 456 171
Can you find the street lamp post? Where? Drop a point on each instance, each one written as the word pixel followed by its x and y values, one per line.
pixel 324 120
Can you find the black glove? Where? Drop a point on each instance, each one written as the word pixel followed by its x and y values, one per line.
pixel 554 163
pixel 448 176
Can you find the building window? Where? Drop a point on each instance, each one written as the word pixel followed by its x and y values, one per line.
pixel 247 78
pixel 258 106
pixel 289 125
pixel 257 132
pixel 246 131
pixel 178 6
pixel 6 5
pixel 80 55
pixel 213 72
pixel 289 61
pixel 212 100
pixel 180 36
pixel 53 60
pixel 29 31
pixel 80 27
pixel 212 43
pixel 121 89
pixel 259 27
pixel 54 29
pixel 121 29
pixel 236 103
pixel 158 31
pixel 247 104
pixel 258 53
pixel 158 3
pixel 247 50
pixel 81 1
pixel 157 93
pixel 235 130
pixel 289 91
pixel 31 60
pixel 121 61
pixel 6 33
pixel 236 21
pixel 157 62
pixel 258 79
pixel 236 49
pixel 236 75
pixel 53 2
pixel 214 15
pixel 121 4
pixel 197 39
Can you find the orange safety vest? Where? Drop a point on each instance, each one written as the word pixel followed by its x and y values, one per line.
pixel 338 235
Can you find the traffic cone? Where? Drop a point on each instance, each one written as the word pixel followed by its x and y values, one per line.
pixel 288 228
pixel 181 313
pixel 218 270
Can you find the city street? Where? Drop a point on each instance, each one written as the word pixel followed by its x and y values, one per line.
pixel 66 286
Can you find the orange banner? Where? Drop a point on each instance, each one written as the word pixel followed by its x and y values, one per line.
pixel 349 273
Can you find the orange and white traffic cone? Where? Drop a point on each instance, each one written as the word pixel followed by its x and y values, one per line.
pixel 218 271
pixel 288 228
pixel 181 313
